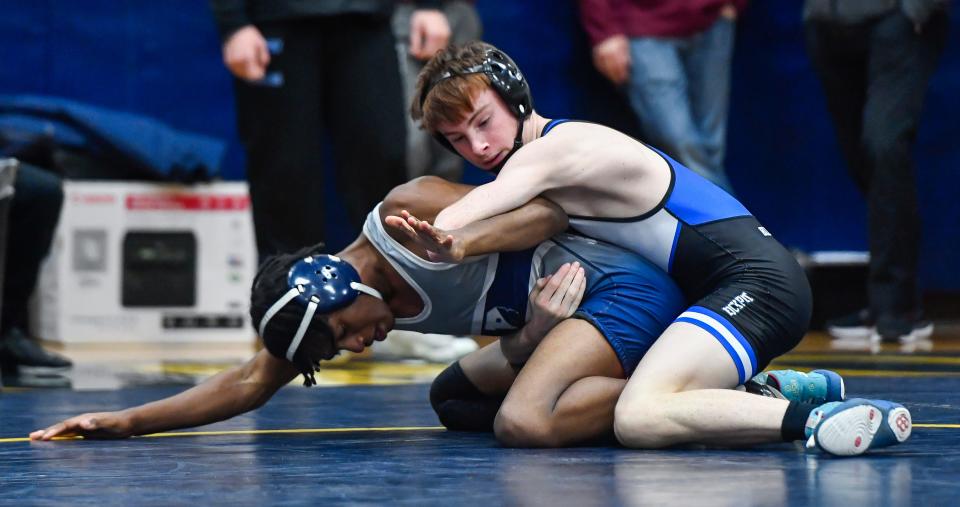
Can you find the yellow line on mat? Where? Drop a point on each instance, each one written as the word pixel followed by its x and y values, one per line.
pixel 339 430
pixel 257 432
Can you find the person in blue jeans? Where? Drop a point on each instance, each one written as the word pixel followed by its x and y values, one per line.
pixel 672 59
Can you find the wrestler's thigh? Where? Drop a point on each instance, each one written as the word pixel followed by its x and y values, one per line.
pixel 573 350
pixel 684 358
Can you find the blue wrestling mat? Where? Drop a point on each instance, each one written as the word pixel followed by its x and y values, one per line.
pixel 381 445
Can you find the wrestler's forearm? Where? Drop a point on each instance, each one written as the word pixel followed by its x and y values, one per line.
pixel 225 395
pixel 519 229
pixel 483 202
pixel 215 400
pixel 516 229
pixel 518 347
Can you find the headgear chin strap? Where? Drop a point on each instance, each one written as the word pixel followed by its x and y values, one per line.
pixel 517 144
pixel 505 79
pixel 323 283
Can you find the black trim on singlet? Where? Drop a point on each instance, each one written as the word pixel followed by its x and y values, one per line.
pixel 660 205
pixel 726 219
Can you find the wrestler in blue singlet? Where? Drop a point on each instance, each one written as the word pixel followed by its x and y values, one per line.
pixel 749 291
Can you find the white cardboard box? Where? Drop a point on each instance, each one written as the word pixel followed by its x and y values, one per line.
pixel 143 262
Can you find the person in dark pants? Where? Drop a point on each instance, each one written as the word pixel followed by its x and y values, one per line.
pixel 424 154
pixel 33 218
pixel 874 59
pixel 305 68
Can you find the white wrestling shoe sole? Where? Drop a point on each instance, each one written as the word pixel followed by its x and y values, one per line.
pixel 851 432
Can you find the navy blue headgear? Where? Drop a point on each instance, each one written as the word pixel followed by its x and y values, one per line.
pixel 323 283
pixel 506 80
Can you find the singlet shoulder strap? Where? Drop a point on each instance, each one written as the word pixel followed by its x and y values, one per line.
pixel 553 123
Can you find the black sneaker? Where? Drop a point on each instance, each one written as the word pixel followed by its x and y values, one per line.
pixel 902 330
pixel 17 349
pixel 855 326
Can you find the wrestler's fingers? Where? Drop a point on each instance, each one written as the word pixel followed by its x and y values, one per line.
pixel 538 287
pixel 399 223
pixel 57 430
pixel 574 295
pixel 546 297
pixel 564 285
pixel 430 230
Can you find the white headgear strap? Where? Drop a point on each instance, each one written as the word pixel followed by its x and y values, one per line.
pixel 370 291
pixel 302 330
pixel 276 307
pixel 308 315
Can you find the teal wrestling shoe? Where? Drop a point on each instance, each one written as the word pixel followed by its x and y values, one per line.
pixel 816 387
pixel 853 427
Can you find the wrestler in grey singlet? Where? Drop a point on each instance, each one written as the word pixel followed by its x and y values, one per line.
pixel 628 299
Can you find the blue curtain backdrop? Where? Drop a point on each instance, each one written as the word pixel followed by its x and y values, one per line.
pixel 162 59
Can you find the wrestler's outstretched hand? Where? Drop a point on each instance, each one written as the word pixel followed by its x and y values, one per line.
pixel 440 245
pixel 100 425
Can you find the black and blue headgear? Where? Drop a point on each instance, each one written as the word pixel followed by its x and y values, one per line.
pixel 506 80
pixel 320 284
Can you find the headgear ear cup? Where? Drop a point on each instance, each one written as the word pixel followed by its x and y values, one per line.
pixel 507 81
pixel 319 284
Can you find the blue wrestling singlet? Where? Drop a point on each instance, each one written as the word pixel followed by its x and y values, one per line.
pixel 750 293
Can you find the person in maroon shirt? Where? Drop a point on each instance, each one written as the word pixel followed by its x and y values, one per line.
pixel 672 58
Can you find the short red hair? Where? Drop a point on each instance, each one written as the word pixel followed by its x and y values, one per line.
pixel 449 100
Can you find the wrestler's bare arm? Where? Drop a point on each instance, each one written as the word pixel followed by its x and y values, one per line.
pixel 518 229
pixel 534 169
pixel 586 169
pixel 424 197
pixel 227 394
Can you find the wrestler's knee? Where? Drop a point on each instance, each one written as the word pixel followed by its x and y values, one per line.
pixel 639 422
pixel 458 403
pixel 517 426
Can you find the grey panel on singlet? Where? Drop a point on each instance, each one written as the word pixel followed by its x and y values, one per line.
pixel 453 295
pixel 653 237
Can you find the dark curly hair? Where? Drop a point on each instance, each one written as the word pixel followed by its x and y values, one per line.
pixel 270 285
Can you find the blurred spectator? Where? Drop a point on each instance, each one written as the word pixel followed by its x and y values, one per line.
pixel 672 58
pixel 874 59
pixel 308 67
pixel 33 217
pixel 424 154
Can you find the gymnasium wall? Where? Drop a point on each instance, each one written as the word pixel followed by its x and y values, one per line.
pixel 162 59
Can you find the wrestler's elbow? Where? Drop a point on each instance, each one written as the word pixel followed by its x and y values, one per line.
pixel 411 195
pixel 549 215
